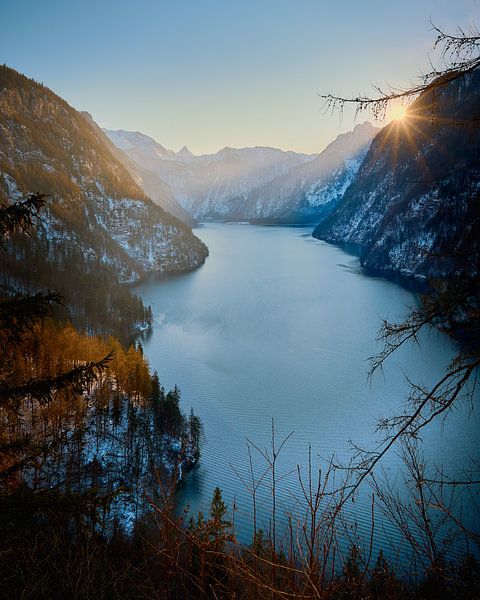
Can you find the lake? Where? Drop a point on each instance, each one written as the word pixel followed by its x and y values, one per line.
pixel 279 325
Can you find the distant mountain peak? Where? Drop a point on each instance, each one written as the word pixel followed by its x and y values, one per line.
pixel 350 142
pixel 226 150
pixel 129 140
pixel 407 208
pixel 366 125
pixel 185 151
pixel 100 225
pixel 255 182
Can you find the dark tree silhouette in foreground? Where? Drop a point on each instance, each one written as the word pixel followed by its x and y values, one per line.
pixel 19 315
pixel 452 304
pixel 460 54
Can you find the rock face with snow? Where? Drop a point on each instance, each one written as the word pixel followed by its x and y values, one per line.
pixel 253 184
pixel 211 186
pixel 414 206
pixel 309 192
pixel 97 214
pixel 154 187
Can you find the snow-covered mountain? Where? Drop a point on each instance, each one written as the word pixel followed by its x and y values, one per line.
pixel 258 184
pixel 98 224
pixel 142 147
pixel 216 186
pixel 309 192
pixel 413 207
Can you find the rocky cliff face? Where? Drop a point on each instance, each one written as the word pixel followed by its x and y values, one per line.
pixel 211 186
pixel 309 192
pixel 414 206
pixel 253 184
pixel 47 146
pixel 133 152
pixel 99 226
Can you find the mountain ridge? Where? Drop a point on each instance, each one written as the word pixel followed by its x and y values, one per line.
pixel 154 187
pixel 207 184
pixel 99 227
pixel 308 192
pixel 248 184
pixel 413 208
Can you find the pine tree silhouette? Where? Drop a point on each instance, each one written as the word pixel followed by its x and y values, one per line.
pixel 18 316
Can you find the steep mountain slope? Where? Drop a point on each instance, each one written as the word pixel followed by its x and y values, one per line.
pixel 414 207
pixel 154 187
pixel 215 186
pixel 309 192
pixel 254 184
pixel 99 229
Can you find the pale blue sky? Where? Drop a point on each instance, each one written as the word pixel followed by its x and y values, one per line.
pixel 211 73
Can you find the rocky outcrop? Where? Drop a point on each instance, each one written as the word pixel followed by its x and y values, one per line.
pixel 414 207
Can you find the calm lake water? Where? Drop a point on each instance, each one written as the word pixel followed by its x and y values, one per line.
pixel 279 325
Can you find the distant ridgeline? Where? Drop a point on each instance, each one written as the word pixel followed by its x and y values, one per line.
pixel 259 185
pixel 99 230
pixel 414 206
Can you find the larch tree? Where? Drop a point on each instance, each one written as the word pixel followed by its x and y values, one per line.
pixel 18 318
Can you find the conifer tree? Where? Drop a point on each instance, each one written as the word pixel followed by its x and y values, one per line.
pixel 195 433
pixel 18 316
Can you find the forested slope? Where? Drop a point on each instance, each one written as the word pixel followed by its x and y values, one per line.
pixel 99 229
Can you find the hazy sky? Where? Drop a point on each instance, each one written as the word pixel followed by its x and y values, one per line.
pixel 215 73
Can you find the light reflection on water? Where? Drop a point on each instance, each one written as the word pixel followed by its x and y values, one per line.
pixel 279 325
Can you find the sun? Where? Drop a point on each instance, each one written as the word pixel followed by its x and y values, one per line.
pixel 398 112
